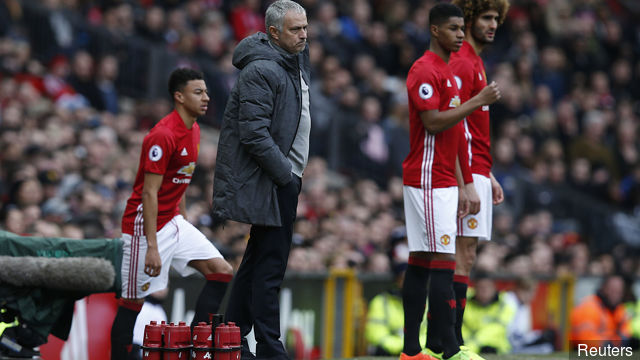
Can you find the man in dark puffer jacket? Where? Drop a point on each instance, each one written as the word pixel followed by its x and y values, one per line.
pixel 262 152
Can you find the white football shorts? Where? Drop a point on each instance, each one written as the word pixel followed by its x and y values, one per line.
pixel 431 216
pixel 179 242
pixel 479 225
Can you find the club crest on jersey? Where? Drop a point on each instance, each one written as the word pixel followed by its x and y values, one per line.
pixel 472 223
pixel 445 239
pixel 155 153
pixel 188 169
pixel 145 287
pixel 455 101
pixel 458 82
pixel 425 91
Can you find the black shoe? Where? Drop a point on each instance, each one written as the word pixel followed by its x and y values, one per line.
pixel 9 348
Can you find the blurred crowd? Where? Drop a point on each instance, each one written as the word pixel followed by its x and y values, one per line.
pixel 564 134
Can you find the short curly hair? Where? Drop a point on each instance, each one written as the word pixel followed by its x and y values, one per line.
pixel 473 8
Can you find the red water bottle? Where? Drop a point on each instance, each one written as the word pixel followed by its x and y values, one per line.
pixel 234 341
pixel 169 340
pixel 222 350
pixel 202 342
pixel 152 342
pixel 180 341
pixel 177 342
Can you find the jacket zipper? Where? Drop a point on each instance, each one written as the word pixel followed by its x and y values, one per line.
pixel 298 86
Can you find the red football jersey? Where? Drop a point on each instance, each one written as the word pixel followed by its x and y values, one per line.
pixel 431 162
pixel 468 69
pixel 171 150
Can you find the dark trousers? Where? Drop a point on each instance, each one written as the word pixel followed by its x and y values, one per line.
pixel 254 299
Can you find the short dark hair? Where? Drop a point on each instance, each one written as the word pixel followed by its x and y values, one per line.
pixel 180 77
pixel 441 12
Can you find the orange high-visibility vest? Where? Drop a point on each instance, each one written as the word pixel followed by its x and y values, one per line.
pixel 594 324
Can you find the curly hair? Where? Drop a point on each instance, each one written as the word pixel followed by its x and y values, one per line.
pixel 473 8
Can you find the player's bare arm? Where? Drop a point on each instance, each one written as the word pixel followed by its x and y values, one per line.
pixel 469 188
pixel 437 121
pixel 468 191
pixel 152 183
pixel 474 199
pixel 496 190
pixel 463 200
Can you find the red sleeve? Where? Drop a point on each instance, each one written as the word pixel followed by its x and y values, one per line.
pixel 158 147
pixel 422 88
pixel 463 70
pixel 463 155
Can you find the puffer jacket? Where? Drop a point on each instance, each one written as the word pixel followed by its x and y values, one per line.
pixel 258 129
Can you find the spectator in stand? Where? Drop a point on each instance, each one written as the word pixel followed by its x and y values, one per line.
pixel 14 221
pixel 601 319
pixel 369 139
pixel 9 11
pixel 72 231
pixel 487 318
pixel 592 147
pixel 213 37
pixel 396 129
pixel 245 18
pixel 105 81
pixel 523 339
pixel 356 21
pixel 385 318
pixel 627 149
pixel 377 263
pixel 56 34
pixel 28 192
pixel 153 25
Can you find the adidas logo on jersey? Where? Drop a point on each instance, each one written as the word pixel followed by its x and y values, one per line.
pixel 448 83
pixel 184 152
